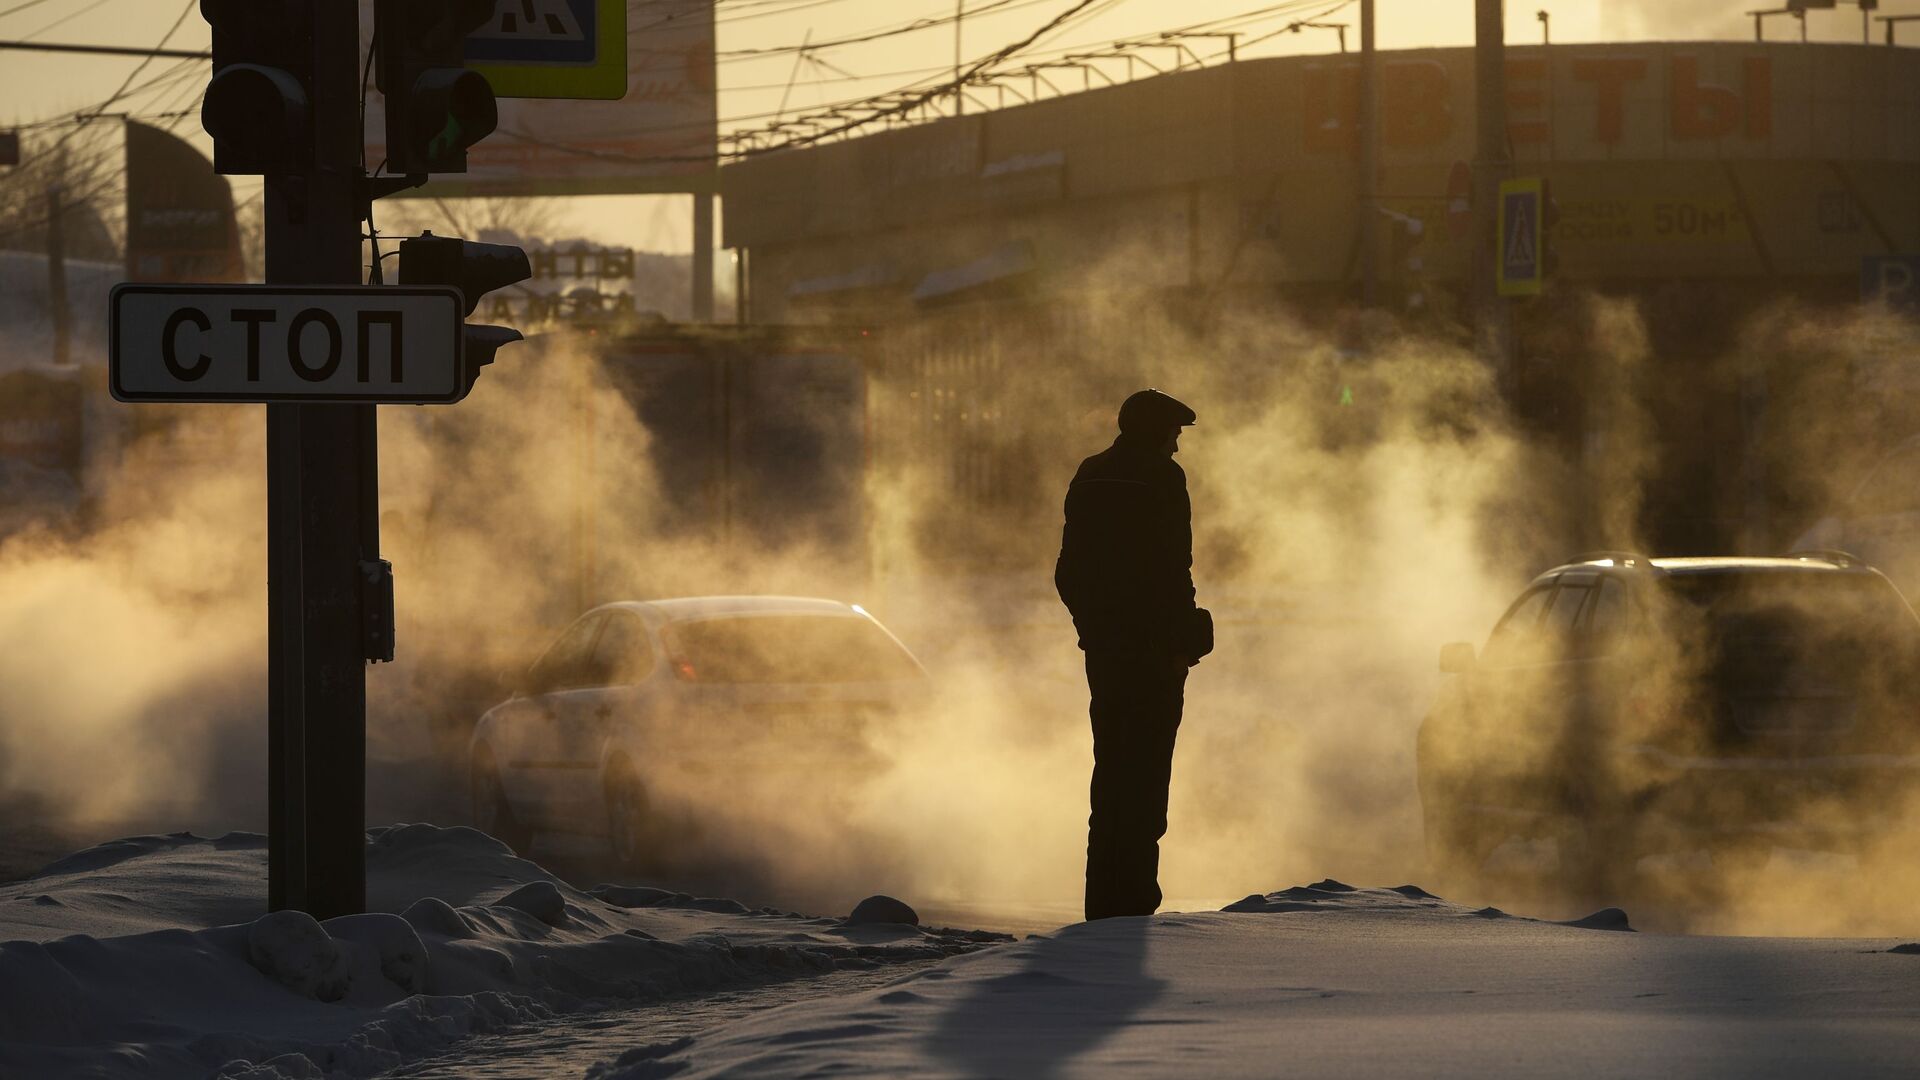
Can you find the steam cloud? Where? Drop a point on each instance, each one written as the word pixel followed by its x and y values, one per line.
pixel 1337 543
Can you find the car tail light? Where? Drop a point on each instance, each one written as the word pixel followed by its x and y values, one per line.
pixel 683 668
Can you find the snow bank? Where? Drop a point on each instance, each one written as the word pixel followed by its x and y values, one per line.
pixel 154 956
pixel 1329 980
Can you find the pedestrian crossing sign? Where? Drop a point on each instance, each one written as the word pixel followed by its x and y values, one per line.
pixel 553 49
pixel 1520 268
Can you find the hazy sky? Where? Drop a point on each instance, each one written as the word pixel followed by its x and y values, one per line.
pixel 35 85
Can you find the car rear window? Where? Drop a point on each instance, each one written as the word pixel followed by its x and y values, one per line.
pixel 1789 631
pixel 787 649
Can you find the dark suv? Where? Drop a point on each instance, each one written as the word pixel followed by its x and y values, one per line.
pixel 1627 706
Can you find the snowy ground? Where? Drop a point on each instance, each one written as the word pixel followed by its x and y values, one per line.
pixel 1327 981
pixel 151 956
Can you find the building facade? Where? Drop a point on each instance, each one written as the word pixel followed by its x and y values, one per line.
pixel 1739 162
pixel 1708 182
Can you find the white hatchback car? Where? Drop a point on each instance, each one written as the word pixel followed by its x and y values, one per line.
pixel 636 703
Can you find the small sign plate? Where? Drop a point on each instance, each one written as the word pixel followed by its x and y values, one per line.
pixel 286 343
pixel 1522 250
pixel 554 48
pixel 1893 280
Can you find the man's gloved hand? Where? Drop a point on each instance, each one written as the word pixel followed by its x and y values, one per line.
pixel 1199 635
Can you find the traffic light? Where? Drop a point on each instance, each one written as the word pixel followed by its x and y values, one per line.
pixel 436 108
pixel 1406 235
pixel 475 270
pixel 256 106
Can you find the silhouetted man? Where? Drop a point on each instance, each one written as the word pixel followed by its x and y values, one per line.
pixel 1126 574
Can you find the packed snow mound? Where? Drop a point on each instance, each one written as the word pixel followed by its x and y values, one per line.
pixel 1328 979
pixel 138 884
pixel 1332 896
pixel 155 956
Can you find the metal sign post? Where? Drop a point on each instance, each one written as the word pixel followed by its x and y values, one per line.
pixel 322 522
pixel 320 348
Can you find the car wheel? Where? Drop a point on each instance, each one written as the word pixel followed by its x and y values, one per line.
pixel 630 836
pixel 492 812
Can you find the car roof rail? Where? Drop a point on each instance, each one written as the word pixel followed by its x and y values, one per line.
pixel 1624 558
pixel 1842 559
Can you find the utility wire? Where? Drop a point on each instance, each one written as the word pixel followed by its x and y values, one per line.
pixel 1252 17
pixel 67 18
pixel 913 26
pixel 920 86
pixel 21 7
pixel 1243 18
pixel 23 45
pixel 185 69
pixel 185 9
pixel 95 113
pixel 798 58
pixel 911 99
pixel 737 56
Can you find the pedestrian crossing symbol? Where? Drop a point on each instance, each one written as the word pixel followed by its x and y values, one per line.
pixel 1520 270
pixel 553 49
pixel 525 20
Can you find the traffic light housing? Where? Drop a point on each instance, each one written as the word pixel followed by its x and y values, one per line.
pixel 475 270
pixel 436 108
pixel 257 106
pixel 1406 235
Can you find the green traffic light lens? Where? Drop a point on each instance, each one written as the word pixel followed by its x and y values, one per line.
pixel 453 109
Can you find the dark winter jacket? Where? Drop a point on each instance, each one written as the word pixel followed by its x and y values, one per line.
pixel 1126 554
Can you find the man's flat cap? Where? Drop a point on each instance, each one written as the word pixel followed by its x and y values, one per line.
pixel 1147 411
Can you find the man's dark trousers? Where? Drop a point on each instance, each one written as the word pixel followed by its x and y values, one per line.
pixel 1136 702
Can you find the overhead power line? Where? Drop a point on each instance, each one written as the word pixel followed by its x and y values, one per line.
pixel 831 120
pixel 901 102
pixel 67 18
pixel 21 7
pixel 913 26
pixel 106 50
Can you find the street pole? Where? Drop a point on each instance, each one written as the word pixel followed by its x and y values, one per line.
pixel 741 308
pixel 1489 169
pixel 322 522
pixel 57 306
pixel 959 92
pixel 1369 159
pixel 704 195
pixel 703 257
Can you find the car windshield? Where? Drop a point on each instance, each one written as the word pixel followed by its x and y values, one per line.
pixel 1785 632
pixel 787 649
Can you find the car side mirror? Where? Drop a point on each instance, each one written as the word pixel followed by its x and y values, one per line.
pixel 1456 658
